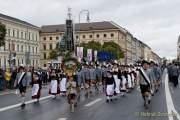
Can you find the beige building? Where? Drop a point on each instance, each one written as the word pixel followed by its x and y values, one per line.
pixel 21 43
pixel 84 32
pixel 129 40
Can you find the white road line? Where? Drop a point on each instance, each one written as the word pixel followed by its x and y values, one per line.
pixel 62 119
pixel 93 102
pixel 170 106
pixel 19 104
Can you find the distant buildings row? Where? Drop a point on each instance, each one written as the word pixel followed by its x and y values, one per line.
pixel 29 44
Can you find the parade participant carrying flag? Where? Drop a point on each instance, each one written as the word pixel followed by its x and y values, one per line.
pixel 36 86
pixel 54 86
pixel 145 83
pixel 21 82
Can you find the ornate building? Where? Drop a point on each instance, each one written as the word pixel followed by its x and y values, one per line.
pixel 21 43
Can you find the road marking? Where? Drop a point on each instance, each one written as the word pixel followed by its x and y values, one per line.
pixel 62 119
pixel 93 102
pixel 19 104
pixel 170 106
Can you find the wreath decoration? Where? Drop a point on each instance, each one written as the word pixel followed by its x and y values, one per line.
pixel 70 65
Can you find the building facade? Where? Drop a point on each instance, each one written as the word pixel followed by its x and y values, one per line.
pixel 21 43
pixel 84 32
pixel 178 49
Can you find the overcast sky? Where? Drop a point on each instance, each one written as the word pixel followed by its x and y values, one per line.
pixel 155 22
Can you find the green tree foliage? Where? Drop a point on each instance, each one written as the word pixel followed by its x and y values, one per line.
pixel 110 47
pixel 91 45
pixel 53 54
pixel 113 48
pixel 2 34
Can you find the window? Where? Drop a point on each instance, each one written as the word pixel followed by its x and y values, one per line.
pixel 21 34
pixel 97 35
pixel 84 36
pixel 36 37
pixel 32 49
pixel 25 35
pixel 44 46
pixel 9 31
pixel 18 62
pixel 13 33
pixel 29 36
pixel 77 37
pixel 22 61
pixel 112 35
pixel 44 38
pixel 36 62
pixel 44 55
pixel 90 36
pixel 33 62
pixel 105 35
pixel 13 47
pixel 21 48
pixel 29 48
pixel 57 38
pixel 50 46
pixel 18 48
pixel 36 49
pixel 50 38
pixel 9 46
pixel 17 34
pixel 44 65
pixel 32 36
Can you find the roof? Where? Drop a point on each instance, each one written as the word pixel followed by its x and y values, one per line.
pixel 82 27
pixel 6 17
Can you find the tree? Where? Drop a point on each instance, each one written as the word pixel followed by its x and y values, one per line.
pixel 2 34
pixel 53 54
pixel 113 48
pixel 90 45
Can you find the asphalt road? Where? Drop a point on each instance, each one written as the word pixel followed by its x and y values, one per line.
pixel 129 107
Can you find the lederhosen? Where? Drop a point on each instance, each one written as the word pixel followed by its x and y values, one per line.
pixel 144 88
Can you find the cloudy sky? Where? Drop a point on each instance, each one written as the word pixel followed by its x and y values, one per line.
pixel 155 22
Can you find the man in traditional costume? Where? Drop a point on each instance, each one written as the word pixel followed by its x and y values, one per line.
pixel 21 82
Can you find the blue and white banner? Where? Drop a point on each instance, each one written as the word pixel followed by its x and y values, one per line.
pixel 95 55
pixel 89 55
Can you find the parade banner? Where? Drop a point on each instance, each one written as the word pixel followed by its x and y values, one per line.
pixel 80 52
pixel 95 55
pixel 89 55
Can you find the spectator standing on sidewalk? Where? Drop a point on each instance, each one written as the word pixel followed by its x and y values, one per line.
pixel 7 78
pixel 1 80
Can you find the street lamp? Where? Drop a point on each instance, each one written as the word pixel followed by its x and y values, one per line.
pixel 88 19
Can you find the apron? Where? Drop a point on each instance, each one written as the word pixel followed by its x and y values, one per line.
pixel 53 86
pixel 117 82
pixel 35 90
pixel 110 89
pixel 123 83
pixel 129 81
pixel 63 84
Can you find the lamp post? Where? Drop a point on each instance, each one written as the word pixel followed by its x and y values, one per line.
pixel 88 20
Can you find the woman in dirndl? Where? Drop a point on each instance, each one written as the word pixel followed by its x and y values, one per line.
pixel 54 86
pixel 109 86
pixel 36 86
